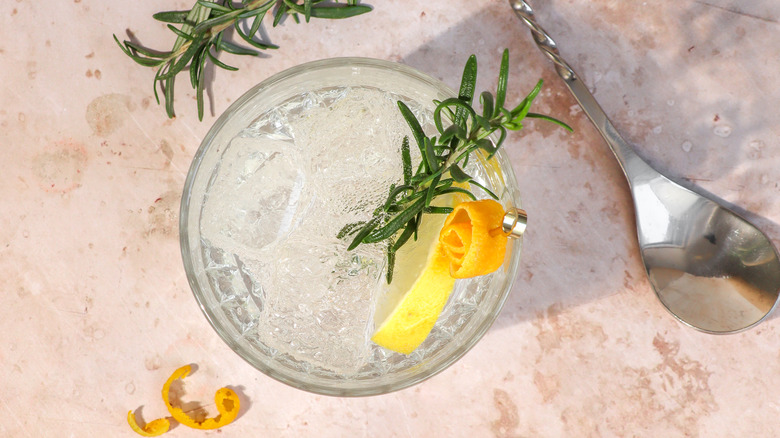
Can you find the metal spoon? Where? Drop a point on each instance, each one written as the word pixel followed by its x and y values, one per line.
pixel 710 267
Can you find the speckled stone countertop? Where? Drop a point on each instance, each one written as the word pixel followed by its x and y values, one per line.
pixel 97 311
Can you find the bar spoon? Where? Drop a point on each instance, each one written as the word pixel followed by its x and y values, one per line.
pixel 710 267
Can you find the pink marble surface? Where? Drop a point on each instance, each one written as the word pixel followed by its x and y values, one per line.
pixel 97 311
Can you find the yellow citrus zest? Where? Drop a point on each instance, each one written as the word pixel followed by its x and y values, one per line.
pixel 153 428
pixel 226 400
pixel 413 318
pixel 472 238
pixel 470 243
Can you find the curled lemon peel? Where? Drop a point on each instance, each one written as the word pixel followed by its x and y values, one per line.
pixel 467 246
pixel 456 240
pixel 470 241
pixel 152 428
pixel 225 398
pixel 411 321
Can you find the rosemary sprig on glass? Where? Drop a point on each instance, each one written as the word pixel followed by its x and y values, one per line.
pixel 443 158
pixel 200 37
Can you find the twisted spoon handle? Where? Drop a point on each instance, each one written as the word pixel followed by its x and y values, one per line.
pixel 633 166
pixel 543 40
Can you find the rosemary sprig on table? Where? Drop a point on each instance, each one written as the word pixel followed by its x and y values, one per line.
pixel 200 37
pixel 443 158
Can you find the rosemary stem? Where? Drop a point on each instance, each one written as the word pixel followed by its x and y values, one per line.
pixel 446 152
pixel 199 37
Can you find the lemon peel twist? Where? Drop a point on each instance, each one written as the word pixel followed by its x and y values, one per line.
pixel 416 314
pixel 153 428
pixel 473 239
pixel 226 400
pixel 470 243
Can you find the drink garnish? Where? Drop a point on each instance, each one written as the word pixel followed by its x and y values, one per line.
pixel 444 157
pixel 471 243
pixel 473 239
pixel 200 38
pixel 415 314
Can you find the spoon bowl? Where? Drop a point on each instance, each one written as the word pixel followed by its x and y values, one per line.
pixel 710 267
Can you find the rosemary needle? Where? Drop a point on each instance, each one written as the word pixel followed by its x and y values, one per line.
pixel 200 37
pixel 443 158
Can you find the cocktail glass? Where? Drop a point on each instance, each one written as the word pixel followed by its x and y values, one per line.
pixel 250 183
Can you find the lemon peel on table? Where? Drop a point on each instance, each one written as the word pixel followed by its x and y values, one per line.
pixel 226 400
pixel 153 428
pixel 473 239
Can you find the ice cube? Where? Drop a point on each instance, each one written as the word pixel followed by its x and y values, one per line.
pixel 254 198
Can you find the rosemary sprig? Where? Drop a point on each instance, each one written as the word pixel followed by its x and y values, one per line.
pixel 443 158
pixel 200 37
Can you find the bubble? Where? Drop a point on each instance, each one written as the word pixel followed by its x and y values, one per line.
pixel 722 131
pixel 755 149
pixel 686 146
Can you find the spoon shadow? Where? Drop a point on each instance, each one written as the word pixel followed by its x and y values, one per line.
pixel 579 247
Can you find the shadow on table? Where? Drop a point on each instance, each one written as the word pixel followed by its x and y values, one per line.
pixel 581 242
